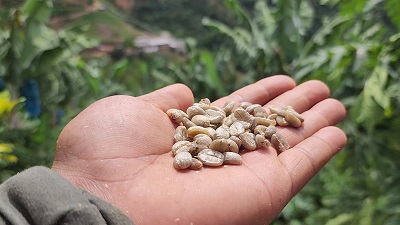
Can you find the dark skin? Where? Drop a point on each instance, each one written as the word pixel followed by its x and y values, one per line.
pixel 119 150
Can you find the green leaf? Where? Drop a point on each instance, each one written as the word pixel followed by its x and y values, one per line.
pixel 305 17
pixel 327 28
pixel 8 158
pixel 208 61
pixel 338 52
pixel 361 57
pixel 376 86
pixel 373 101
pixel 6 147
pixel 367 212
pixel 242 37
pixel 38 10
pixel 341 219
pixel 352 7
pixel 392 7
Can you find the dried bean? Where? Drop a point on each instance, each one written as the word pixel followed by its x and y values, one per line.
pixel 202 139
pixel 232 158
pixel 270 131
pixel 212 133
pixel 276 110
pixel 182 160
pixel 210 157
pixel 187 123
pixel 195 110
pixel 208 135
pixel 228 107
pixel 243 115
pixel 272 116
pixel 236 140
pixel 279 142
pixel 180 134
pixel 261 141
pixel 202 105
pixel 201 120
pixel 220 145
pixel 260 112
pixel 263 121
pixel 176 115
pixel 196 164
pixel 183 146
pixel 216 116
pixel 260 129
pixel 205 101
pixel 232 145
pixel 244 105
pixel 229 120
pixel 292 119
pixel 198 149
pixel 281 121
pixel 250 109
pixel 236 129
pixel 248 141
pixel 222 132
pixel 295 113
pixel 195 130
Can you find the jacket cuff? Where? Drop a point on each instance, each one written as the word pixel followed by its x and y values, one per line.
pixel 41 196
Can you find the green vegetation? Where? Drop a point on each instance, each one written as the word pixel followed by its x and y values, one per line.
pixel 182 17
pixel 355 51
pixel 351 45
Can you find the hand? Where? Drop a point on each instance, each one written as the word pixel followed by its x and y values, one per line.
pixel 119 150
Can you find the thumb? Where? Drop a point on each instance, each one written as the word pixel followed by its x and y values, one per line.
pixel 177 96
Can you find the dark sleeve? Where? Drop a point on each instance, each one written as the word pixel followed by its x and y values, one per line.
pixel 41 196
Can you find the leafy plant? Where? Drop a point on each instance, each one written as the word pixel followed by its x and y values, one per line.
pixel 6 107
pixel 31 50
pixel 39 64
pixel 356 53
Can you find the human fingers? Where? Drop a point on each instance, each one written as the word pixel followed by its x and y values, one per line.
pixel 314 143
pixel 260 92
pixel 177 96
pixel 305 159
pixel 319 113
pixel 302 97
pixel 311 100
pixel 328 112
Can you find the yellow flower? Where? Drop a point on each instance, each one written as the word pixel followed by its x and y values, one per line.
pixel 6 104
pixel 5 149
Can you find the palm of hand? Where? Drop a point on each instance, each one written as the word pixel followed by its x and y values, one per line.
pixel 119 150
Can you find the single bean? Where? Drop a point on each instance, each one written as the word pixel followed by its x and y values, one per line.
pixel 211 158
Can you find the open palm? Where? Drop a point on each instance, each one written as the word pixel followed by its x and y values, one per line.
pixel 119 150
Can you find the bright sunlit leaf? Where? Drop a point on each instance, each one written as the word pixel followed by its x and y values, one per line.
pixel 6 104
pixel 6 147
pixel 374 100
pixel 9 158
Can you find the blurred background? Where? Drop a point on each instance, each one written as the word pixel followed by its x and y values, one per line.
pixel 57 57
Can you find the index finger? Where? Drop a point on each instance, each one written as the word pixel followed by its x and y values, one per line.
pixel 305 159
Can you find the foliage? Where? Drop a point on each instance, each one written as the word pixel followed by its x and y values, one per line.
pixel 39 64
pixel 273 38
pixel 5 154
pixel 32 50
pixel 6 106
pixel 182 18
pixel 144 74
pixel 355 51
pixel 351 45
